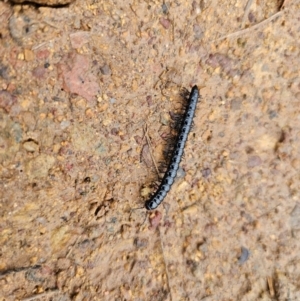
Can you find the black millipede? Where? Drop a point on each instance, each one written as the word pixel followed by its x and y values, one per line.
pixel 170 174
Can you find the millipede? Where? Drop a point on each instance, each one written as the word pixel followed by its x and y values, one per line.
pixel 176 155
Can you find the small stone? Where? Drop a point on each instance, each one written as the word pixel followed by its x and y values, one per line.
pixel 39 166
pixel 206 172
pixel 296 163
pixel 39 72
pixel 31 146
pixel 155 220
pixel 212 116
pixel 4 71
pixel 102 107
pixel 254 161
pixel 164 118
pixel 19 26
pixel 149 100
pixel 42 54
pixel 165 23
pixel 267 142
pixel 105 70
pixel 198 32
pixel 272 114
pixel 64 124
pixel 191 210
pixel 89 113
pixel 236 104
pixel 141 242
pixel 29 120
pixel 180 173
pixel 251 17
pixel 29 55
pixel 63 263
pixel 77 77
pixel 59 238
pixel 244 255
pixel 295 218
pixel 78 39
pixel 7 100
pixel 134 85
pixel 79 271
pixel 197 272
pixel 165 8
pixel 81 104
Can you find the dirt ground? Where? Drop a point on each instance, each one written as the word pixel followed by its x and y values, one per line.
pixel 87 92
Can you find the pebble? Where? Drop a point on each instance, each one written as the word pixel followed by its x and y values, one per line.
pixel 39 166
pixel 105 70
pixel 198 32
pixel 191 210
pixel 254 161
pixel 206 172
pixel 7 100
pixel 165 23
pixel 141 242
pixel 295 218
pixel 59 238
pixel 28 55
pixel 78 39
pixel 65 124
pixel 180 173
pixel 235 104
pixel 31 146
pixel 244 255
pixel 155 220
pixel 39 72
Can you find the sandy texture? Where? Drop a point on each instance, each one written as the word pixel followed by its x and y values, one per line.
pixel 83 86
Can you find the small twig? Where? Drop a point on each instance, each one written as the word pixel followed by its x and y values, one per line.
pixel 247 9
pixel 41 45
pixel 271 286
pixel 247 30
pixel 130 5
pixel 150 146
pixel 51 24
pixel 283 4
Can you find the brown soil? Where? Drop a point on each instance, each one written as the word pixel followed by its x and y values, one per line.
pixel 83 86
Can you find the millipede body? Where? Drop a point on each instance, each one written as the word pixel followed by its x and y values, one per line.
pixel 169 176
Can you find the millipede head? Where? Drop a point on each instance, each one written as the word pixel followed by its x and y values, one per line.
pixel 151 205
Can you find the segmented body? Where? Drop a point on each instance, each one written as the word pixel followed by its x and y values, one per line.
pixel 171 172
